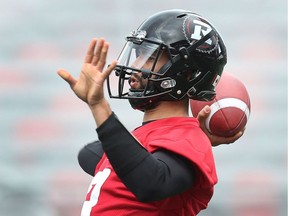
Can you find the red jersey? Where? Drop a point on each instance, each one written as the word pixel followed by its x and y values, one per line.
pixel 108 196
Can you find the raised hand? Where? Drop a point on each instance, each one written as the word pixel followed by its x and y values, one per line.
pixel 89 86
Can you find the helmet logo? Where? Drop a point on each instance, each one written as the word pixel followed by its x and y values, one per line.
pixel 200 30
pixel 194 29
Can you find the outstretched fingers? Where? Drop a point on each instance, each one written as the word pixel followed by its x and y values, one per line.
pixel 90 52
pixel 101 61
pixel 97 53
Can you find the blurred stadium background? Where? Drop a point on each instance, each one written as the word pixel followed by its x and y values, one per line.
pixel 43 125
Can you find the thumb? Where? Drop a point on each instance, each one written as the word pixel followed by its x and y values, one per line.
pixel 67 77
pixel 110 68
pixel 203 114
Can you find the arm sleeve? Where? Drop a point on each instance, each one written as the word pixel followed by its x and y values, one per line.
pixel 89 156
pixel 149 177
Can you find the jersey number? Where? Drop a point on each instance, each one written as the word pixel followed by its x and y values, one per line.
pixel 94 191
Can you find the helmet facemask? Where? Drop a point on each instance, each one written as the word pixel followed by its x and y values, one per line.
pixel 139 62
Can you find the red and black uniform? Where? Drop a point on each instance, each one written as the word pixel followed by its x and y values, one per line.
pixel 171 172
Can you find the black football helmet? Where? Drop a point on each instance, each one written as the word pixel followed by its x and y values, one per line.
pixel 196 52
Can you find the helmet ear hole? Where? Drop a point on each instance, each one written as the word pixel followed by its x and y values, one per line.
pixel 189 75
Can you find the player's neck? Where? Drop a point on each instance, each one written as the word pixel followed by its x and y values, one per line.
pixel 167 109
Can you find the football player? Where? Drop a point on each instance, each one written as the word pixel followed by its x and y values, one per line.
pixel 165 166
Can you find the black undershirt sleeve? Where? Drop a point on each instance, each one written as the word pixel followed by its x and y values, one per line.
pixel 149 177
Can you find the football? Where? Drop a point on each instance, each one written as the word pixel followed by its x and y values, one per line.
pixel 230 109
